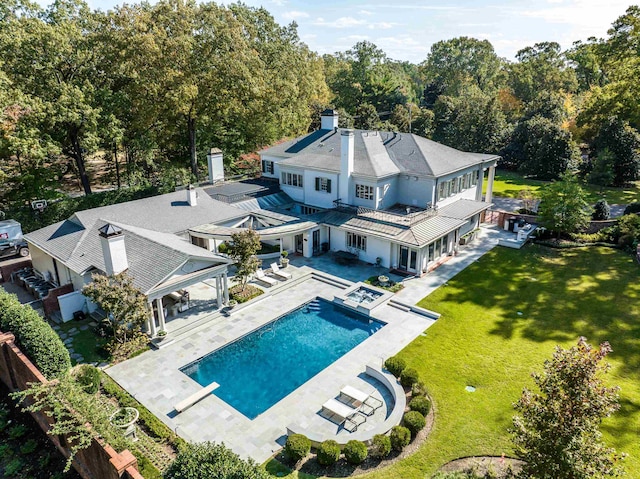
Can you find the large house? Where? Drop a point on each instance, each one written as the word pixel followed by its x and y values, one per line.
pixel 392 198
pixel 148 238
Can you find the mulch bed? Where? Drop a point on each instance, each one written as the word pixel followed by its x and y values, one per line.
pixel 500 466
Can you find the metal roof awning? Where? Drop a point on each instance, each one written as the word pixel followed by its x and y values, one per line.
pixel 271 233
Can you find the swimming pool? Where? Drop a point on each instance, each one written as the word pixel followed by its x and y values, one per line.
pixel 260 369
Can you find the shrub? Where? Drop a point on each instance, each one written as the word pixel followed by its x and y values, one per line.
pixel 14 467
pixel 208 460
pixel 355 452
pixel 418 389
pixel 242 295
pixel 395 365
pixel 223 248
pixel 34 336
pixel 414 422
pixel 29 446
pixel 420 404
pixel 409 377
pixel 380 446
pixel 632 208
pixel 400 437
pixel 88 377
pixel 601 210
pixel 328 452
pixel 297 447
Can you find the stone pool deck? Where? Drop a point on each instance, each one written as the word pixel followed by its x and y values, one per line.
pixel 155 380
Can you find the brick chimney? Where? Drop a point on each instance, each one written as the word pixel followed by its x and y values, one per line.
pixel 113 249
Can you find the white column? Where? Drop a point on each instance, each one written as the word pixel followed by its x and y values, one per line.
pixel 479 186
pixel 307 245
pixel 152 321
pixel 161 324
pixel 492 175
pixel 225 285
pixel 218 292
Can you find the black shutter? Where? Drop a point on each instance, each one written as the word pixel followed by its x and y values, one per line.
pixel 317 184
pixel 328 186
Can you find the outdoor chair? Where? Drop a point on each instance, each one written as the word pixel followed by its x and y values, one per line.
pixel 277 272
pixel 264 279
pixel 343 414
pixel 365 403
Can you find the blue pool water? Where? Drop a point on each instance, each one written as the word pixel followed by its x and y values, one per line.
pixel 260 369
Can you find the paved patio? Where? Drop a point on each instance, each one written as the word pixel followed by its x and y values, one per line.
pixel 154 379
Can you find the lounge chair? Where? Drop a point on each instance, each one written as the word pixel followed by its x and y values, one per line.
pixel 264 279
pixel 279 273
pixel 366 403
pixel 343 414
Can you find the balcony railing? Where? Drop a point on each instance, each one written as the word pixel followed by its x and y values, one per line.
pixel 407 219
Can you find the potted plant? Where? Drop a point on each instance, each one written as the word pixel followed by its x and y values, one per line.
pixel 125 418
pixel 161 335
pixel 284 261
pixel 232 303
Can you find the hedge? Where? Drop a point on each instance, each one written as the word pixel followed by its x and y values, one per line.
pixel 420 404
pixel 400 437
pixel 409 377
pixel 414 422
pixel 395 365
pixel 297 447
pixel 34 336
pixel 380 446
pixel 328 452
pixel 355 452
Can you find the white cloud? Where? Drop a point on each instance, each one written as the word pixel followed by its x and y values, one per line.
pixel 365 12
pixel 355 38
pixel 294 15
pixel 382 25
pixel 342 22
pixel 404 47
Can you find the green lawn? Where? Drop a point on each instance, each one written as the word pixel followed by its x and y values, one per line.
pixel 509 184
pixel 481 340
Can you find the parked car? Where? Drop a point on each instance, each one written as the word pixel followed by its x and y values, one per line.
pixel 11 241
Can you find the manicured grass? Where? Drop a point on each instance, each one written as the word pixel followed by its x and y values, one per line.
pixel 482 341
pixel 509 184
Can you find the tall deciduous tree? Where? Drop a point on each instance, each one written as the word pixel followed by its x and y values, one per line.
pixel 563 206
pixel 244 247
pixel 125 305
pixel 541 68
pixel 453 65
pixel 557 430
pixel 622 146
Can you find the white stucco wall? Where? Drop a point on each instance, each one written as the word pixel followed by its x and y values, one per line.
pixel 376 247
pixel 320 199
pixel 469 193
pixel 414 192
pixel 295 192
pixel 387 193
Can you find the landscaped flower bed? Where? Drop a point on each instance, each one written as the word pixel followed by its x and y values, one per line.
pixel 389 284
pixel 243 295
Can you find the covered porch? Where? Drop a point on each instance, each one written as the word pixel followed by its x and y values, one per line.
pixel 184 296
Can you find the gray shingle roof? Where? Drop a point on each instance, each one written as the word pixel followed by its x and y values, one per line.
pixel 376 153
pixel 153 251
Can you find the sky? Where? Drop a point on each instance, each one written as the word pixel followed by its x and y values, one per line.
pixel 406 29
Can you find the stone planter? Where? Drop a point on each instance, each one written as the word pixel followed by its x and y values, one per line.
pixel 125 419
pixel 284 262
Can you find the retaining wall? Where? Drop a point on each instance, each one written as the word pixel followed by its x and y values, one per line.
pixel 99 460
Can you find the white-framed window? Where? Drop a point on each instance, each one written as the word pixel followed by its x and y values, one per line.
pixel 267 166
pixel 356 241
pixel 364 192
pixel 323 184
pixel 291 179
pixel 474 178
